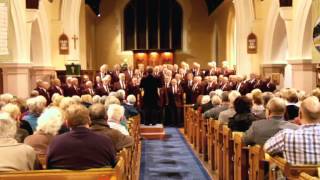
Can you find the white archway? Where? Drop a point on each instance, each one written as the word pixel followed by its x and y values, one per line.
pixel 231 39
pixel 36 45
pixel 279 50
pixel 303 30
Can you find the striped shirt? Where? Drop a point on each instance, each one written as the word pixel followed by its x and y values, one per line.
pixel 301 146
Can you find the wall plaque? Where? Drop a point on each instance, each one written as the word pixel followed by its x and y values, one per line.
pixel 64 44
pixel 252 44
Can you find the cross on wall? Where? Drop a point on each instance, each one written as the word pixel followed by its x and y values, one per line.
pixel 75 38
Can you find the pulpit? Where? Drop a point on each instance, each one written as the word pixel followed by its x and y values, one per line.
pixel 153 57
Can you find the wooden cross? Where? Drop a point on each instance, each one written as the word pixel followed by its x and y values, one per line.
pixel 75 38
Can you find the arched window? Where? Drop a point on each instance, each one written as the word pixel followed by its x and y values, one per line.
pixel 152 24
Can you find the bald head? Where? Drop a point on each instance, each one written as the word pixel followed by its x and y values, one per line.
pixel 310 110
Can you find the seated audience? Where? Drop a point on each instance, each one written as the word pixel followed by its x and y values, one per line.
pixel 86 100
pixel 14 156
pixel 115 113
pixel 292 109
pixel 49 123
pixel 224 116
pixel 300 146
pixel 80 148
pixel 35 108
pixel 99 125
pixel 260 131
pixel 14 111
pixel 258 108
pixel 205 103
pixel 96 99
pixel 215 111
pixel 243 118
pixel 129 108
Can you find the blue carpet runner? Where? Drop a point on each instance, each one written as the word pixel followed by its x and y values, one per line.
pixel 169 159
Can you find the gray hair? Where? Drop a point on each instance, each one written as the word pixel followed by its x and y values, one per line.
pixel 97 112
pixel 8 126
pixel 96 99
pixel 6 97
pixel 131 99
pixel 50 121
pixel 115 112
pixel 111 100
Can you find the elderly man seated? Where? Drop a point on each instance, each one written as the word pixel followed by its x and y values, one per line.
pixel 115 114
pixel 14 156
pixel 300 146
pixel 80 148
pixel 129 109
pixel 99 125
pixel 261 131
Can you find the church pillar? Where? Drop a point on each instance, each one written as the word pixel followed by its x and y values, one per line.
pixel 70 21
pixel 16 79
pixel 303 74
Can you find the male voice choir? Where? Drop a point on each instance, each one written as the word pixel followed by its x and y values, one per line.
pixel 173 83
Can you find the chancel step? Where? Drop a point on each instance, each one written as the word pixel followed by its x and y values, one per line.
pixel 155 132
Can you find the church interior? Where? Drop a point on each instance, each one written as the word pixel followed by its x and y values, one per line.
pixel 160 89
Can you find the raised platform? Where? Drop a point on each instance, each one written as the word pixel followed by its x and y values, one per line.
pixel 155 132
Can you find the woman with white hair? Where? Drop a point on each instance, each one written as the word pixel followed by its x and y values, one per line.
pixel 35 106
pixel 129 108
pixel 14 111
pixel 49 124
pixel 14 156
pixel 115 113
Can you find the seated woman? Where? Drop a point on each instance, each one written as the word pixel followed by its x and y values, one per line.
pixel 14 111
pixel 243 118
pixel 14 156
pixel 49 124
pixel 115 113
pixel 35 107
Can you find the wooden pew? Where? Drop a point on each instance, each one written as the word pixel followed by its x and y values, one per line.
pixel 228 153
pixel 198 132
pixel 305 176
pixel 289 171
pixel 92 174
pixel 211 144
pixel 240 157
pixel 187 116
pixel 257 163
pixel 218 149
pixel 204 138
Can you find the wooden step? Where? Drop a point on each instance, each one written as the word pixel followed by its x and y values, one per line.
pixel 155 132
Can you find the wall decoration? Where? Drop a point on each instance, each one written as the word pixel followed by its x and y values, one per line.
pixel 4 25
pixel 252 44
pixel 64 44
pixel 316 35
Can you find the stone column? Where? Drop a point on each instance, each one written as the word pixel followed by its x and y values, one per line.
pixel 16 79
pixel 303 75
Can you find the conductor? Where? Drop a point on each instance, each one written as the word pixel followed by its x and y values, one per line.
pixel 150 85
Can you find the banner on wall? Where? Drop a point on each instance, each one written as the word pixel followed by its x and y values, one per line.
pixel 252 44
pixel 63 44
pixel 316 35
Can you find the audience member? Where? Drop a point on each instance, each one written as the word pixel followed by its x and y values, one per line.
pixel 115 113
pixel 224 116
pixel 80 148
pixel 99 125
pixel 243 118
pixel 300 146
pixel 35 107
pixel 260 131
pixel 129 108
pixel 49 123
pixel 14 156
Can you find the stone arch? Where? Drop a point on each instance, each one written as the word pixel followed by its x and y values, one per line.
pixel 303 30
pixel 36 45
pixel 279 50
pixel 276 36
pixel 231 38
pixel 20 50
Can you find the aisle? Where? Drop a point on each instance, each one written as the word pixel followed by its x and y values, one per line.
pixel 170 159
